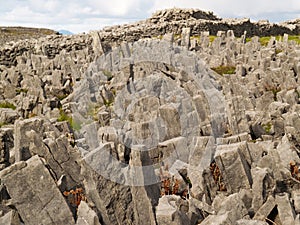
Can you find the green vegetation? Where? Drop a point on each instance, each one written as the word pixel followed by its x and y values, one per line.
pixel 65 117
pixel 20 33
pixel 277 51
pixel 298 93
pixel 21 90
pixel 267 127
pixel 108 74
pixel 295 38
pixel 248 39
pixel 26 31
pixel 93 110
pixel 265 40
pixel 2 124
pixel 177 36
pixel 273 88
pixel 7 105
pixel 160 37
pixel 108 103
pixel 62 96
pixel 197 37
pixel 275 91
pixel 224 70
pixel 212 38
pixel 31 115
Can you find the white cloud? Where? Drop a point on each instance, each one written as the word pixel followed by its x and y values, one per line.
pixel 79 16
pixel 235 8
pixel 117 8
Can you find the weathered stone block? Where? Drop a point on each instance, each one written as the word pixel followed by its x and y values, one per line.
pixel 286 152
pixel 285 211
pixel 167 212
pixel 232 209
pixel 24 129
pixel 8 116
pixel 265 209
pixel 171 119
pixel 35 194
pixel 10 218
pixel 86 216
pixel 144 197
pixel 185 40
pixel 97 45
pixel 296 199
pixel 297 220
pixel 234 139
pixel 234 167
pixel 258 150
pixel 174 149
pixel 199 159
pixel 261 187
pixel 56 149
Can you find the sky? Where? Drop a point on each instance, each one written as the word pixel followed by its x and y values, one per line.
pixel 80 16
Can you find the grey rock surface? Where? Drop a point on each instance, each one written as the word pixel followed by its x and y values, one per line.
pixel 168 211
pixel 10 218
pixel 31 180
pixel 86 216
pixel 152 123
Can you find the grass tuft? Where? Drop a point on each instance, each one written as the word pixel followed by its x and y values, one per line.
pixel 224 70
pixel 7 105
pixel 21 90
pixel 65 117
pixel 267 127
pixel 212 38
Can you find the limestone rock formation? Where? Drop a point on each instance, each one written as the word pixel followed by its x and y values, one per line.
pixel 152 123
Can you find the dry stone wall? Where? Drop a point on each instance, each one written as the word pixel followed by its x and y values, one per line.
pixel 162 22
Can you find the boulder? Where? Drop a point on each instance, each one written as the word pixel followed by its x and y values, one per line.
pixel 234 167
pixel 8 115
pixel 37 136
pixel 86 216
pixel 231 210
pixel 35 194
pixel 10 218
pixel 199 159
pixel 97 44
pixel 286 152
pixel 174 149
pixel 264 211
pixel 144 197
pixel 185 40
pixel 171 119
pixel 262 186
pixel 105 179
pixel 167 211
pixel 285 211
pixel 296 200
